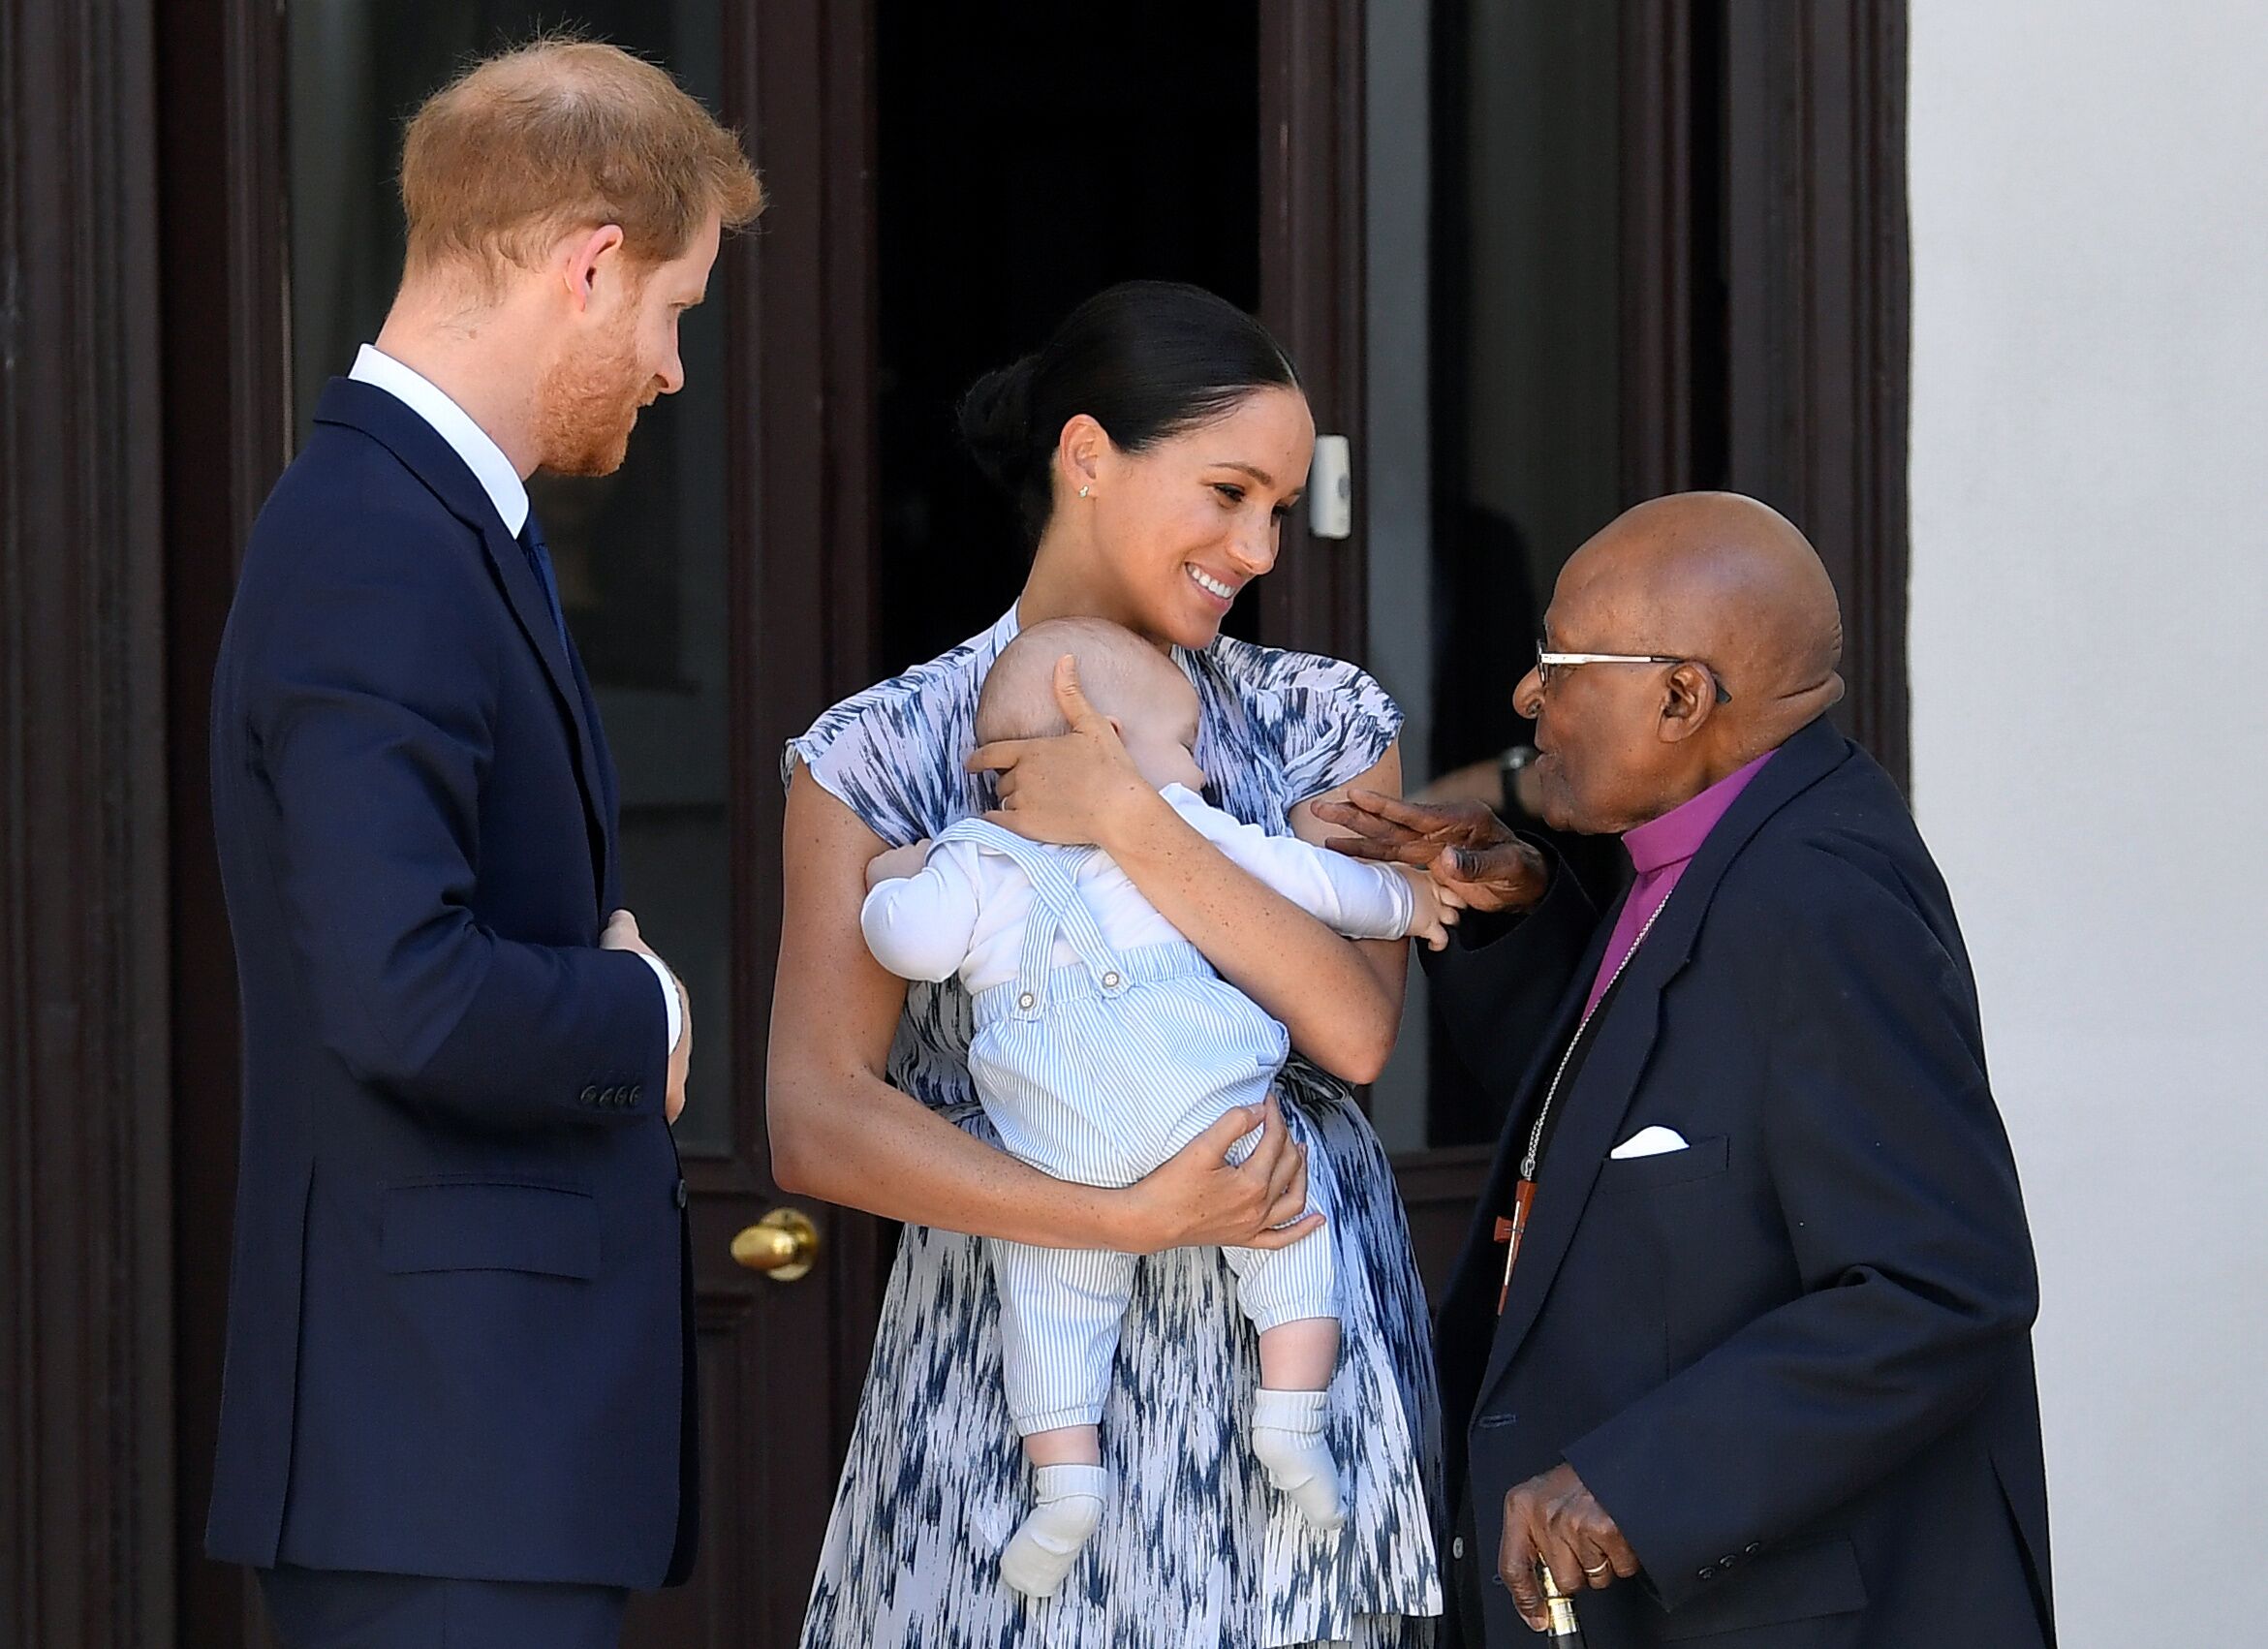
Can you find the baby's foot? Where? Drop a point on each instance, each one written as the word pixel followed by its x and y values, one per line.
pixel 1068 1503
pixel 1287 1437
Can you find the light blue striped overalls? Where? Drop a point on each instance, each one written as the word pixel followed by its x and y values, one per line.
pixel 1096 1073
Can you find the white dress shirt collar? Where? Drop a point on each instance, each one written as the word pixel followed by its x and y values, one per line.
pixel 454 425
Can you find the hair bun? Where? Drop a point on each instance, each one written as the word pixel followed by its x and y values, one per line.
pixel 995 419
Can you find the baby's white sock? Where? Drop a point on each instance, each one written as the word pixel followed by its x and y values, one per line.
pixel 1067 1504
pixel 1287 1437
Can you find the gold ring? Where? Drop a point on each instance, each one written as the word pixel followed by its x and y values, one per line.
pixel 1595 1574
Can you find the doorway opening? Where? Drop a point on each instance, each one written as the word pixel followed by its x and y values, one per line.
pixel 1021 168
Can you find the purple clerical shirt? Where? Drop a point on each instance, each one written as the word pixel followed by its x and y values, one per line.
pixel 1659 850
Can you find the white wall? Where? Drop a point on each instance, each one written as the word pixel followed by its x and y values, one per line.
pixel 2089 669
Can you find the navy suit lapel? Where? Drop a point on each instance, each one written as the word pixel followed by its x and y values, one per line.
pixel 533 608
pixel 1600 1095
pixel 609 783
pixel 386 420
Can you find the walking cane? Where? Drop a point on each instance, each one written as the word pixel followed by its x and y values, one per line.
pixel 1562 1628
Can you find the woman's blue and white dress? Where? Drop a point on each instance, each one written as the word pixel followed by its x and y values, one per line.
pixel 1196 1547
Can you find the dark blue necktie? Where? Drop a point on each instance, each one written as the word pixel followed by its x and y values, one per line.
pixel 539 553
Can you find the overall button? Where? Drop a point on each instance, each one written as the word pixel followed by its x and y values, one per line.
pixel 1110 982
pixel 682 1195
pixel 1026 999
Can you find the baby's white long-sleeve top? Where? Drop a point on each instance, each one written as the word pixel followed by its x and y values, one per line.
pixel 965 912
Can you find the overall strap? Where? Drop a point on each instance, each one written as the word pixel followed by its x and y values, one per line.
pixel 1057 907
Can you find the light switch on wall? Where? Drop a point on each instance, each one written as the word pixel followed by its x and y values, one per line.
pixel 1331 489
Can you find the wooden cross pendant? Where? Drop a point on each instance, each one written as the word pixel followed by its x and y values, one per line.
pixel 1509 1231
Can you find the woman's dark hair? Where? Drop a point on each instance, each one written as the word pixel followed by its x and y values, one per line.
pixel 1145 360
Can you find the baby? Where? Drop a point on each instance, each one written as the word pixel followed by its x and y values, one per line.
pixel 1105 1042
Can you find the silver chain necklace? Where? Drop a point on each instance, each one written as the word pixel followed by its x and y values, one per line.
pixel 1550 1094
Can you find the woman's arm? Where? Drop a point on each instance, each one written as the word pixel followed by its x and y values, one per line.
pixel 840 1131
pixel 1340 999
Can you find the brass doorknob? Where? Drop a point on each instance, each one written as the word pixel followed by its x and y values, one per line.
pixel 783 1245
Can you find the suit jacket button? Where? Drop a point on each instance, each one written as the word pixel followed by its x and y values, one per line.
pixel 1708 1571
pixel 612 1097
pixel 683 1194
pixel 638 1093
pixel 1726 1561
pixel 1457 1548
pixel 590 1095
pixel 1754 1547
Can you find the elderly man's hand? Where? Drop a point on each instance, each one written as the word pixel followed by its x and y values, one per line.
pixel 1554 1518
pixel 1470 852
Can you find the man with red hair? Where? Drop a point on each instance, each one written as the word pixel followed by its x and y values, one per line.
pixel 458 1399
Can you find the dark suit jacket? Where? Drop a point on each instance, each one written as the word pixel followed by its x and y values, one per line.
pixel 1794 1360
pixel 458 1314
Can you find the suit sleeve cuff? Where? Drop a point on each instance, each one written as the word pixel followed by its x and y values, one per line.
pixel 675 1021
pixel 1636 1494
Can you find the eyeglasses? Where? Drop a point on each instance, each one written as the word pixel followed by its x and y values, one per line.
pixel 1547 663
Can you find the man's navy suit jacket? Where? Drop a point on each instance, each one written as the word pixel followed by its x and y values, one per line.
pixel 1792 1360
pixel 458 1329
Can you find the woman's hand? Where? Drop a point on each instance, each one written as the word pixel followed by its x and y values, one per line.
pixel 841 1132
pixel 1199 1198
pixel 1076 788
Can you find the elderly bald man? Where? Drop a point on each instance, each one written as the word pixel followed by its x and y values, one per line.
pixel 1739 1343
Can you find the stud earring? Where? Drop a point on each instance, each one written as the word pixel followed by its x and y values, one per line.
pixel 1084 490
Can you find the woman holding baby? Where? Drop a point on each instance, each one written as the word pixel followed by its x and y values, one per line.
pixel 1153 446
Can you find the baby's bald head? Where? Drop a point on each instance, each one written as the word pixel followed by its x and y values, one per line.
pixel 1137 686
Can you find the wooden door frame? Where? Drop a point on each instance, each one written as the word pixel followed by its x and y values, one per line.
pixel 1766 300
pixel 85 1312
pixel 800 353
pixel 225 367
pixel 1310 138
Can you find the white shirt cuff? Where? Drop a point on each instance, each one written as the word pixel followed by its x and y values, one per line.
pixel 669 996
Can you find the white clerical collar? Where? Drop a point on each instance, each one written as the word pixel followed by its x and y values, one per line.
pixel 454 425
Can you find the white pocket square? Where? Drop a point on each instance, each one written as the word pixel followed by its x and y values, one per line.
pixel 1654 1141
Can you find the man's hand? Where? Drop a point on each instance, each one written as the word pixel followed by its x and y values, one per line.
pixel 1553 1517
pixel 897 863
pixel 1073 789
pixel 1470 852
pixel 1436 910
pixel 621 934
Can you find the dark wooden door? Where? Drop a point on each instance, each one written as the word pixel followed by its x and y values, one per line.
pixel 781 1355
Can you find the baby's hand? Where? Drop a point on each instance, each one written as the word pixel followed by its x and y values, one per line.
pixel 1434 910
pixel 897 863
